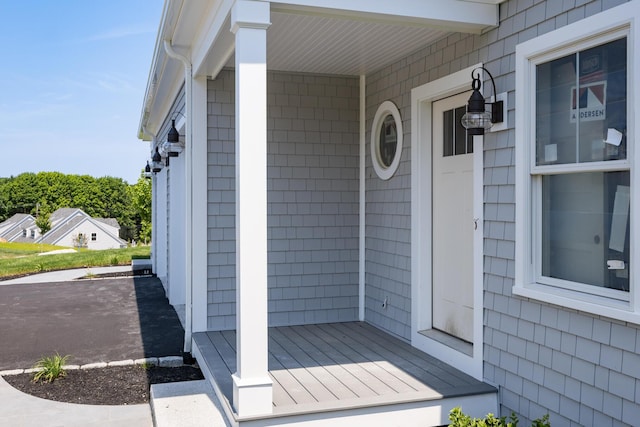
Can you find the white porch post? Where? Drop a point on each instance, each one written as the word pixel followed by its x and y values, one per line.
pixel 198 265
pixel 252 387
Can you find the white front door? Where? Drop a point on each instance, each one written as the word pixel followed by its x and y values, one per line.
pixel 446 226
pixel 453 222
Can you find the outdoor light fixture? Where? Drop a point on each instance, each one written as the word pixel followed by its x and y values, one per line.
pixel 477 120
pixel 172 145
pixel 147 170
pixel 156 162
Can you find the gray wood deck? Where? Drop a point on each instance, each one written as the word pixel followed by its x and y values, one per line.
pixel 341 365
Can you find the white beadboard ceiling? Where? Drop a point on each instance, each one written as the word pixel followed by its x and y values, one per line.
pixel 328 45
pixel 307 36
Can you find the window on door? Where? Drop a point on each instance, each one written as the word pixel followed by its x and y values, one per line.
pixel 575 170
pixel 455 138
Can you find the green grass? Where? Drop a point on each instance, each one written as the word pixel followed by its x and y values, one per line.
pixel 20 259
pixel 12 250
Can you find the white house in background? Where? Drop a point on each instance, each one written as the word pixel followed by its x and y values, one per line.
pixel 71 227
pixel 68 227
pixel 345 253
pixel 19 228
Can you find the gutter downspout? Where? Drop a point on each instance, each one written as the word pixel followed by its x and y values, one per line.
pixel 188 76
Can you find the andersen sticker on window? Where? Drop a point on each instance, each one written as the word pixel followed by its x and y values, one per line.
pixel 589 102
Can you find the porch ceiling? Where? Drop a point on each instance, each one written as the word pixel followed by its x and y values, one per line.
pixel 334 45
pixel 315 36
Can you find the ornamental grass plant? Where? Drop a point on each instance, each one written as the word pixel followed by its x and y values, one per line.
pixel 50 368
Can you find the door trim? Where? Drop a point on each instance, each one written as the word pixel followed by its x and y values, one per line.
pixel 421 225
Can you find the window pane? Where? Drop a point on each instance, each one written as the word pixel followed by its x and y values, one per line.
pixel 388 141
pixel 581 106
pixel 461 132
pixel 585 228
pixel 555 137
pixel 447 137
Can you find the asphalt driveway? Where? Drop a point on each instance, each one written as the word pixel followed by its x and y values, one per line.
pixel 92 320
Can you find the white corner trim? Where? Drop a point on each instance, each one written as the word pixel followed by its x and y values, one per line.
pixel 385 109
pixel 362 207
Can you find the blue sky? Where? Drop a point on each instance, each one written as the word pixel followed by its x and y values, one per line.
pixel 72 79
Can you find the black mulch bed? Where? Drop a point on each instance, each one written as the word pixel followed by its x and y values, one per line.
pixel 118 385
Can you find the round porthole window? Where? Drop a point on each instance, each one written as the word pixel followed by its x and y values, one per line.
pixel 386 140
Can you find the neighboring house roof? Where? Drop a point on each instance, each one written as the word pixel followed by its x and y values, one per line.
pixel 13 221
pixel 64 214
pixel 65 220
pixel 62 230
pixel 11 229
pixel 109 221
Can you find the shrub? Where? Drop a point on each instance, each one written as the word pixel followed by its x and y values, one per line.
pixel 50 368
pixel 460 419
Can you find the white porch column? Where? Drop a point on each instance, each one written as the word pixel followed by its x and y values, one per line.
pixel 252 387
pixel 198 265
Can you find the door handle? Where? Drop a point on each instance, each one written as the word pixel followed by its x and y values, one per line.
pixel 475 223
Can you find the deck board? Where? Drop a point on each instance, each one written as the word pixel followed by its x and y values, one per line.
pixel 336 366
pixel 398 356
pixel 304 354
pixel 327 358
pixel 410 353
pixel 356 372
pixel 316 388
pixel 383 381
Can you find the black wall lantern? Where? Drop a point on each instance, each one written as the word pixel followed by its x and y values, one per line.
pixel 156 162
pixel 477 120
pixel 147 171
pixel 172 146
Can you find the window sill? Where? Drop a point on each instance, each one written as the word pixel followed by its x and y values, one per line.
pixel 601 306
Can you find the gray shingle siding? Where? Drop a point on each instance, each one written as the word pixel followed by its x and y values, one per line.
pixel 388 203
pixel 546 359
pixel 312 182
pixel 579 368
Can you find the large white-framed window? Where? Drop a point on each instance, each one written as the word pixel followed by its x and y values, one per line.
pixel 576 115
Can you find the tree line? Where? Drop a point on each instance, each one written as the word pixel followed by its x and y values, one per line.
pixel 40 194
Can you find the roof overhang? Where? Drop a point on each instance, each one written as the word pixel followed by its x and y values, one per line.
pixel 321 36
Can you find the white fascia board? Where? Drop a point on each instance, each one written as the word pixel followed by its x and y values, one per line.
pixel 150 91
pixel 469 16
pixel 166 75
pixel 169 88
pixel 213 38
